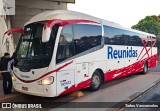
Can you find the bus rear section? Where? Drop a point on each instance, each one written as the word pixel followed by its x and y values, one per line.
pixel 128 52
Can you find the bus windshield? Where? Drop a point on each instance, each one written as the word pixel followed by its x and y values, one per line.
pixel 31 52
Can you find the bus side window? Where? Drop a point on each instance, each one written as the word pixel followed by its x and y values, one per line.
pixel 149 43
pixel 86 37
pixel 65 46
pixel 113 36
pixel 133 39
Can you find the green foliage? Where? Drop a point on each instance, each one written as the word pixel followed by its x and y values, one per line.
pixel 150 24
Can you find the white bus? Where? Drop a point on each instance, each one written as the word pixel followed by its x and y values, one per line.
pixel 63 51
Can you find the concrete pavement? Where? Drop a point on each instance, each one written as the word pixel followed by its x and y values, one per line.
pixel 120 90
pixel 123 92
pixel 150 97
pixel 4 97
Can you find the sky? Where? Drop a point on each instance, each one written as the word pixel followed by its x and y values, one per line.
pixel 124 12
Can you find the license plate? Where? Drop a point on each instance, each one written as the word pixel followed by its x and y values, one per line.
pixel 24 88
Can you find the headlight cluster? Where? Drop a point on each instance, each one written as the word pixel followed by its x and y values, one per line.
pixel 46 81
pixel 13 78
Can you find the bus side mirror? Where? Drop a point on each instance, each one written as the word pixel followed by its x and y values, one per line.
pixel 18 30
pixel 46 34
pixel 47 29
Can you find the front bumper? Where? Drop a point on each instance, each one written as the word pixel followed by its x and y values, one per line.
pixel 35 90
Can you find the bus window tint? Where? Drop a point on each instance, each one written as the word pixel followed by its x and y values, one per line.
pixel 65 46
pixel 136 40
pixel 132 39
pixel 113 36
pixel 86 37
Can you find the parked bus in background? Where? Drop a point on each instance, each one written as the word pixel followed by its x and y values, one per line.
pixel 63 51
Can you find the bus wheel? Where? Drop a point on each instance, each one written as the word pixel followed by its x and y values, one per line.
pixel 96 81
pixel 145 68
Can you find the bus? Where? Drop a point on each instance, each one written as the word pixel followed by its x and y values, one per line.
pixel 63 51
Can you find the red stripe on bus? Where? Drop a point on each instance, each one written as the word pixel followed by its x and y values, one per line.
pixel 56 70
pixel 51 23
pixel 131 69
pixel 145 46
pixel 110 75
pixel 79 86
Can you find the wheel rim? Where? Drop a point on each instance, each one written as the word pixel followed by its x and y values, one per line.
pixel 96 81
pixel 145 68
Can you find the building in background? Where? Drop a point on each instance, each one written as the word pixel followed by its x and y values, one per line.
pixel 4 26
pixel 24 10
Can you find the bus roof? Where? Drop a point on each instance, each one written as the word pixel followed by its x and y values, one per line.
pixel 72 15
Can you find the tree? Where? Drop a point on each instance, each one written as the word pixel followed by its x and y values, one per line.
pixel 150 24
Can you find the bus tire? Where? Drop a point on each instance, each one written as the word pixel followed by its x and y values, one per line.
pixel 96 81
pixel 145 68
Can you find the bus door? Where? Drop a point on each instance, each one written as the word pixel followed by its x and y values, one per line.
pixel 81 75
pixel 65 76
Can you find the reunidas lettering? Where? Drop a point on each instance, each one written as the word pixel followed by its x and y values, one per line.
pixel 118 54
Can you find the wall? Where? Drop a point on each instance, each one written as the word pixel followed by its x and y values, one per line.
pixel 9 44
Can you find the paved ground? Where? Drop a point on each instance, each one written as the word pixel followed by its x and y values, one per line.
pixel 121 90
pixel 152 97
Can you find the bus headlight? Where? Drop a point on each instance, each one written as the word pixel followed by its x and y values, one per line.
pixel 46 81
pixel 13 78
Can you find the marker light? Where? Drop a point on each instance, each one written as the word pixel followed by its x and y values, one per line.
pixel 46 81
